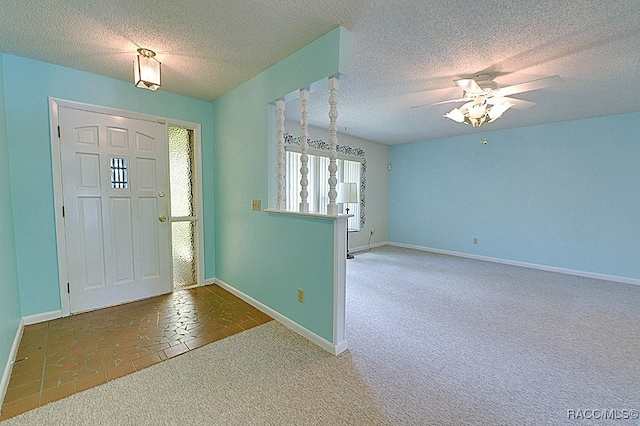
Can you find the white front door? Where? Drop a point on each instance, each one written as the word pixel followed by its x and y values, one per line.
pixel 116 207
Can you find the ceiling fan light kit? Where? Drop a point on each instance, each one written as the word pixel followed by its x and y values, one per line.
pixel 485 102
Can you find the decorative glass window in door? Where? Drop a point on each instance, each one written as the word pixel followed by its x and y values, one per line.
pixel 119 173
pixel 184 221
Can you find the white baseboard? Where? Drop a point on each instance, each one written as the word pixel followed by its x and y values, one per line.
pixel 45 316
pixel 339 347
pixel 367 247
pixel 6 376
pixel 585 274
pixel 335 349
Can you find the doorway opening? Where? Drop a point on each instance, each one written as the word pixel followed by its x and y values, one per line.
pixel 185 221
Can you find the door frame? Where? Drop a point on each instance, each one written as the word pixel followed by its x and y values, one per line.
pixel 56 163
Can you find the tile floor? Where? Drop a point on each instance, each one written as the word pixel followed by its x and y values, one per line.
pixel 60 357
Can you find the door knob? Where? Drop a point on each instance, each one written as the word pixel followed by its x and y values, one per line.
pixel 162 218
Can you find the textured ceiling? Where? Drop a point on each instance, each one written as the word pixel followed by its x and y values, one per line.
pixel 404 52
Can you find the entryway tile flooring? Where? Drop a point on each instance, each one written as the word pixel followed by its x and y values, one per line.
pixel 60 357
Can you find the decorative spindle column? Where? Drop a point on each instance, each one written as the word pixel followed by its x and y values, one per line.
pixel 282 205
pixel 304 148
pixel 332 207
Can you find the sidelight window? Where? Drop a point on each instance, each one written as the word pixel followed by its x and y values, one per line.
pixel 184 221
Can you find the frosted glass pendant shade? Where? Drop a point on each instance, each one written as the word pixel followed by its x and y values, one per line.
pixel 456 115
pixel 146 70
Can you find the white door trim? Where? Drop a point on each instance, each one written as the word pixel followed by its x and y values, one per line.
pixel 56 163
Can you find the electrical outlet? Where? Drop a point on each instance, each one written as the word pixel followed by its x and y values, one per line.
pixel 475 241
pixel 256 205
pixel 373 231
pixel 300 295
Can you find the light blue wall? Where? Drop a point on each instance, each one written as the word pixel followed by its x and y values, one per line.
pixel 564 195
pixel 269 256
pixel 28 85
pixel 10 313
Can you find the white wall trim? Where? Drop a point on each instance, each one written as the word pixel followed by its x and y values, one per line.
pixel 339 284
pixel 315 215
pixel 6 376
pixel 45 316
pixel 585 274
pixel 368 246
pixel 58 202
pixel 294 326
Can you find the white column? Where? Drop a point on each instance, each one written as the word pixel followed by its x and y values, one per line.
pixel 304 148
pixel 332 207
pixel 339 285
pixel 281 157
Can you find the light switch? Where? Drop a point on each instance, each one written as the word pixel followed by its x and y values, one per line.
pixel 256 205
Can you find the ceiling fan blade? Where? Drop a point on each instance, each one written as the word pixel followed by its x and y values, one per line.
pixel 515 103
pixel 520 104
pixel 468 85
pixel 439 103
pixel 528 86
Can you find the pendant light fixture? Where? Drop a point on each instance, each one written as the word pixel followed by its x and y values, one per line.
pixel 146 70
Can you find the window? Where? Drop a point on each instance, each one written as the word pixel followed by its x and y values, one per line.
pixel 350 169
pixel 184 221
pixel 119 173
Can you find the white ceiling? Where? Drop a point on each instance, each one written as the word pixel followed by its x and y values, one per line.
pixel 404 52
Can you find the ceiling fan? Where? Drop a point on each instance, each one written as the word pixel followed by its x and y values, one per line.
pixel 485 102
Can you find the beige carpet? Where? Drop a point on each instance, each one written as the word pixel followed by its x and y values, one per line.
pixel 434 340
pixel 442 340
pixel 267 375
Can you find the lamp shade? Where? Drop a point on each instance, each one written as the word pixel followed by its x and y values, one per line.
pixel 477 110
pixel 347 192
pixel 146 70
